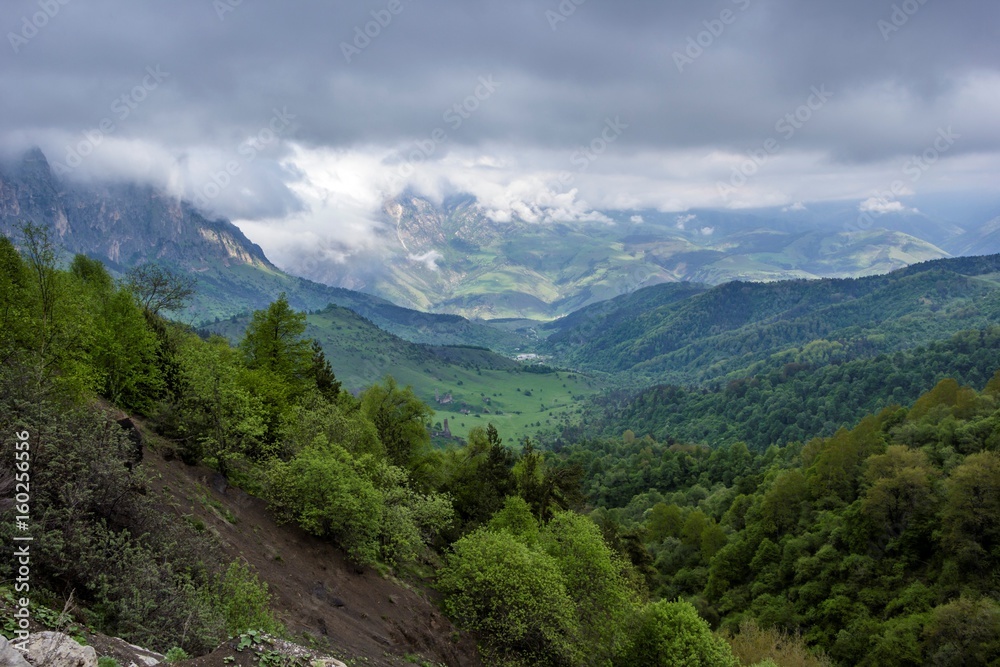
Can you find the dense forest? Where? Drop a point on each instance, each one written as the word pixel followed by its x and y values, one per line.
pixel 878 543
pixel 874 545
pixel 679 334
pixel 807 392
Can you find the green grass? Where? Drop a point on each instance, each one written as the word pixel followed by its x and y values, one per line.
pixel 361 354
pixel 519 402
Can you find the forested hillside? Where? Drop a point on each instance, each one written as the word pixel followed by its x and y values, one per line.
pixel 666 334
pixel 807 392
pixel 872 546
pixel 497 527
pixel 465 385
pixel 879 544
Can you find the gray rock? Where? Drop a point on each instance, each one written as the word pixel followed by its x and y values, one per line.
pixel 327 662
pixel 10 656
pixel 54 649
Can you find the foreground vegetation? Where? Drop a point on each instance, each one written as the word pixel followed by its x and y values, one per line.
pixel 271 415
pixel 873 546
pixel 879 543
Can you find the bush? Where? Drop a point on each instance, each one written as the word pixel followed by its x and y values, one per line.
pixel 514 596
pixel 755 644
pixel 595 579
pixel 99 531
pixel 363 503
pixel 325 490
pixel 242 600
pixel 176 654
pixel 671 633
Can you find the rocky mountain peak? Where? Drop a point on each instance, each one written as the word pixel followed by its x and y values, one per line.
pixel 122 224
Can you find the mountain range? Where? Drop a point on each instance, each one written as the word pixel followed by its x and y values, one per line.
pixel 688 333
pixel 460 277
pixel 125 225
pixel 452 257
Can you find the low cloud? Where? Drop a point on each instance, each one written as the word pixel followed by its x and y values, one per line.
pixel 529 99
pixel 882 206
pixel 428 259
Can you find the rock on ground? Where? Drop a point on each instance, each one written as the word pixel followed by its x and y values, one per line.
pixel 54 649
pixel 10 656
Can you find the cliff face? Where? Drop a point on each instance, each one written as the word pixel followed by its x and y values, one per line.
pixel 123 225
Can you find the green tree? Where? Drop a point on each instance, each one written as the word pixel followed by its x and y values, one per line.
pixel 328 493
pixel 322 373
pixel 15 302
pixel 598 580
pixel 400 419
pixel 972 505
pixel 274 342
pixel 91 272
pixel 514 597
pixel 964 632
pixel 157 287
pixel 666 634
pixel 218 415
pixel 480 476
pixel 545 487
pixel 900 496
pixel 122 350
pixel 664 521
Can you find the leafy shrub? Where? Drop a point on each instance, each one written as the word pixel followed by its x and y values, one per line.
pixel 326 491
pixel 514 596
pixel 98 531
pixel 595 579
pixel 363 503
pixel 176 654
pixel 671 633
pixel 242 600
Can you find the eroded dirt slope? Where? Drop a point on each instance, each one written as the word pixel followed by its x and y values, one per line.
pixel 355 612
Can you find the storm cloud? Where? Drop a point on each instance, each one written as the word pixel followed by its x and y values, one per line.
pixel 298 119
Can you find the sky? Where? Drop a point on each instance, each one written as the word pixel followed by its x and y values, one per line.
pixel 299 119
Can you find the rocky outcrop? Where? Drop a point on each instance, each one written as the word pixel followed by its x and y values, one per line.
pixel 10 656
pixel 127 655
pixel 122 224
pixel 54 649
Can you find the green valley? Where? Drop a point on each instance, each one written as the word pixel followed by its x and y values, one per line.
pixel 468 386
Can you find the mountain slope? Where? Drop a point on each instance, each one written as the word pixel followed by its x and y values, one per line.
pixel 454 258
pixel 468 386
pixel 318 593
pixel 985 240
pixel 728 329
pixel 127 225
pixel 794 400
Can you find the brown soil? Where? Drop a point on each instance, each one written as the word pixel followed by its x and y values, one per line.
pixel 324 600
